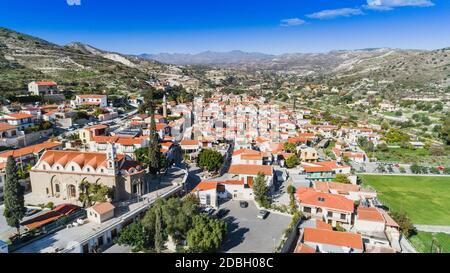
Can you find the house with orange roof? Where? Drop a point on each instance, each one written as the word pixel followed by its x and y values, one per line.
pixel 92 100
pixel 30 154
pixel 324 170
pixel 21 120
pixel 377 227
pixel 330 241
pixel 331 208
pixel 58 174
pixel 248 173
pixel 123 145
pixel 247 156
pixel 10 136
pixel 86 134
pixel 190 146
pixel 349 191
pixel 100 212
pixel 210 193
pixel 42 88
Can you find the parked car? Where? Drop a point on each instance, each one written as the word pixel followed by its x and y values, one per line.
pixel 209 210
pixel 243 204
pixel 30 212
pixel 221 213
pixel 262 214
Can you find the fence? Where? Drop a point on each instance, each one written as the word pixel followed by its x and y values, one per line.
pixel 291 241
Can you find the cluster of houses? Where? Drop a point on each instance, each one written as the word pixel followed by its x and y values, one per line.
pixel 251 133
pixel 340 217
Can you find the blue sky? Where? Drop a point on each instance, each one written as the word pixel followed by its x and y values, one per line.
pixel 269 26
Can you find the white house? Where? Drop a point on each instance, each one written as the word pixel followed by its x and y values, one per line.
pixel 329 241
pixel 95 100
pixel 101 212
pixel 40 88
pixel 209 192
pixel 248 173
pixel 331 208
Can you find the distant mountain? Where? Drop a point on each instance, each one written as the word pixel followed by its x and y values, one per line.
pixel 208 57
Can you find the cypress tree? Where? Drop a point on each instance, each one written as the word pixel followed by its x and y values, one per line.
pixel 158 231
pixel 13 196
pixel 154 149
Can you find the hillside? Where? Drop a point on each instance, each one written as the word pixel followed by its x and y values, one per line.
pixel 75 66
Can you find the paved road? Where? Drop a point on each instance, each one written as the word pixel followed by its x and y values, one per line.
pixel 432 228
pixel 248 234
pixel 406 246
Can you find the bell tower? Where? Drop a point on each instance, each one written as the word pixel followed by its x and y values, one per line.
pixel 111 157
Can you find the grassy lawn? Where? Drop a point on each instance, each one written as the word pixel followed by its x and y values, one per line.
pixel 424 199
pixel 420 156
pixel 422 242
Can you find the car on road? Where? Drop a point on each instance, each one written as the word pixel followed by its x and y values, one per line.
pixel 30 211
pixel 209 210
pixel 243 204
pixel 262 214
pixel 221 213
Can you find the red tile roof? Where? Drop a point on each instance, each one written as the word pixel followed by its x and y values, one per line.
pixel 189 142
pixel 369 214
pixel 18 116
pixel 330 237
pixel 302 248
pixel 46 83
pixel 308 196
pixel 251 169
pixel 33 149
pixel 5 126
pixel 327 186
pixel 102 208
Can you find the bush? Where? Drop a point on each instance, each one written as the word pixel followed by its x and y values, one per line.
pixel 292 161
pixel 290 189
pixel 405 224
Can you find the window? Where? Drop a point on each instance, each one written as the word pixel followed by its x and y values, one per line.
pixel 343 216
pixel 57 187
pixel 57 167
pixel 73 168
pixel 330 214
pixel 307 209
pixel 44 167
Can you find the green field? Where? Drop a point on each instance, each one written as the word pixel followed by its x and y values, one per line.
pixel 422 242
pixel 425 199
pixel 419 156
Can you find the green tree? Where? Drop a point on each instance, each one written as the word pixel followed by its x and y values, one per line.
pixel 94 192
pixel 382 147
pixel 134 235
pixel 159 240
pixel 405 224
pixel 445 129
pixel 292 161
pixel 290 189
pixel 261 191
pixel 209 159
pixel 416 169
pixel 206 235
pixel 155 157
pixel 13 196
pixel 385 125
pixel 396 136
pixel 289 147
pixel 341 178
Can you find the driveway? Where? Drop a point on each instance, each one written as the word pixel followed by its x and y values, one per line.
pixel 248 234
